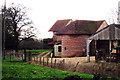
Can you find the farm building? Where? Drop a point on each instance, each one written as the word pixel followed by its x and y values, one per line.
pixel 70 36
pixel 107 42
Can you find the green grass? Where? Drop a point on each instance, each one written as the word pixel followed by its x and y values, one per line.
pixel 21 70
pixel 39 51
pixel 30 71
pixel 7 58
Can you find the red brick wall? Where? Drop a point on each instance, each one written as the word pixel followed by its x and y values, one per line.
pixel 56 37
pixel 59 38
pixel 73 44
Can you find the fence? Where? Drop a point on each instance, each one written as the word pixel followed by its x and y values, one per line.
pixel 54 63
pixel 105 69
pixel 12 56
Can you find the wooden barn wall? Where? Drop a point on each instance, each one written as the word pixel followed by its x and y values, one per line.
pixel 112 33
pixel 103 35
pixel 106 34
pixel 117 33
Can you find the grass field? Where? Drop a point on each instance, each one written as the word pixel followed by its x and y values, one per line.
pixel 39 51
pixel 21 70
pixel 29 71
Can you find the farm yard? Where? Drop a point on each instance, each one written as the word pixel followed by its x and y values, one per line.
pixel 76 50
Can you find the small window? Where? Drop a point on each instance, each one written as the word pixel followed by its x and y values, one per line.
pixel 65 48
pixel 59 48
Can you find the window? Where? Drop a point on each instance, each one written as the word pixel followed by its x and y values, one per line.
pixel 59 48
pixel 65 48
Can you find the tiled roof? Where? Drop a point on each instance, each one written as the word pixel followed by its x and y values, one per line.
pixel 59 24
pixel 81 27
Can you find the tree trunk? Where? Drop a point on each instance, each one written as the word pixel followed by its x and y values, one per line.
pixel 16 37
pixel 29 56
pixel 16 44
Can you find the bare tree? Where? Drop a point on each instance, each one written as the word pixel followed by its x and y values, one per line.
pixel 113 16
pixel 18 24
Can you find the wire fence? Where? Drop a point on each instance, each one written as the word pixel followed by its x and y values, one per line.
pixel 11 56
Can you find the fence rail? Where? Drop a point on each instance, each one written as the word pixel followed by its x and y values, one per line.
pixel 53 63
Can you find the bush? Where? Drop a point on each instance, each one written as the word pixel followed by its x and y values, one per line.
pixel 73 77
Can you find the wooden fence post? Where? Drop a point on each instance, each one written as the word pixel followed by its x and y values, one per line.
pixel 40 60
pixel 34 59
pixel 76 64
pixel 55 63
pixel 51 61
pixel 37 60
pixel 24 55
pixel 63 63
pixel 29 56
pixel 47 61
pixel 43 60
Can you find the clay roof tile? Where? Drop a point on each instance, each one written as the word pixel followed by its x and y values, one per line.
pixel 81 27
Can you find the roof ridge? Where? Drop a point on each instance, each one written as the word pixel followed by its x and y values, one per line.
pixel 63 19
pixel 89 20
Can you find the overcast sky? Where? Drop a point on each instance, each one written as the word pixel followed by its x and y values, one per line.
pixel 44 13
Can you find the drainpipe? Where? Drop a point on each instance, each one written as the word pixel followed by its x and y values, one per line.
pixel 88 57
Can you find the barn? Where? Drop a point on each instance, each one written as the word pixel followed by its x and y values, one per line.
pixel 70 36
pixel 107 42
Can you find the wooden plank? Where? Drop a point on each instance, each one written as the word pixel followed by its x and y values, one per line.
pixel 107 34
pixel 115 33
pixel 99 36
pixel 112 32
pixel 119 34
pixel 103 34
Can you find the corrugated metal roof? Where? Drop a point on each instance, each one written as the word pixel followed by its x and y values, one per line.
pixel 81 27
pixel 111 32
